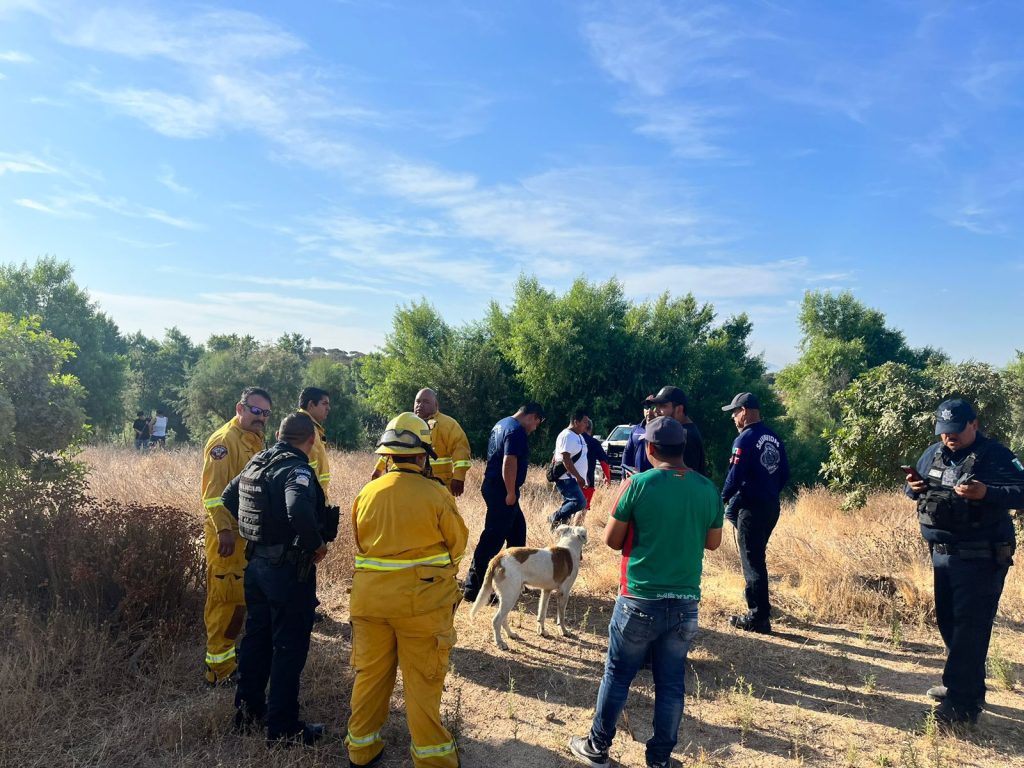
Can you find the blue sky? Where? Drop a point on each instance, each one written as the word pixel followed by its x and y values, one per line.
pixel 264 167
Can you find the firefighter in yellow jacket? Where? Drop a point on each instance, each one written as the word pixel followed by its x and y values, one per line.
pixel 227 452
pixel 409 539
pixel 316 403
pixel 448 440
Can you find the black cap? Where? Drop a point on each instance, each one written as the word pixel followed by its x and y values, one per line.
pixel 952 416
pixel 673 395
pixel 664 430
pixel 743 400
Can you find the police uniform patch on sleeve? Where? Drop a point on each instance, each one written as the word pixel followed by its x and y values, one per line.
pixel 302 477
pixel 218 452
pixel 1018 465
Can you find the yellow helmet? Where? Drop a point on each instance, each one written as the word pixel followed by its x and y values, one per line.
pixel 406 435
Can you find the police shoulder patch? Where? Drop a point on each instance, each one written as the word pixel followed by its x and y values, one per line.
pixel 1018 465
pixel 218 452
pixel 301 478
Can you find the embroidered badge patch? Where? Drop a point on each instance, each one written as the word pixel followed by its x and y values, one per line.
pixel 218 452
pixel 302 479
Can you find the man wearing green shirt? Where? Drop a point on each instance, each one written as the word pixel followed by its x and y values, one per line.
pixel 663 521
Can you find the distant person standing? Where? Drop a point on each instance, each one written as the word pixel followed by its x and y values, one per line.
pixel 227 452
pixel 595 455
pixel 758 471
pixel 663 521
pixel 316 403
pixel 508 457
pixel 569 469
pixel 158 429
pixel 141 428
pixel 672 401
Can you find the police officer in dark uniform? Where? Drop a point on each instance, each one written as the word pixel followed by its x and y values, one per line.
pixel 964 486
pixel 282 514
pixel 758 471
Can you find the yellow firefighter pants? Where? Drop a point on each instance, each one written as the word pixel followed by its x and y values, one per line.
pixel 419 645
pixel 225 605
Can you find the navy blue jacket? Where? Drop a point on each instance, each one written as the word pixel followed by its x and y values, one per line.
pixel 635 452
pixel 758 467
pixel 998 469
pixel 595 453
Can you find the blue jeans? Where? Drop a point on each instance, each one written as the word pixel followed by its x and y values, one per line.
pixel 278 625
pixel 966 599
pixel 574 499
pixel 665 627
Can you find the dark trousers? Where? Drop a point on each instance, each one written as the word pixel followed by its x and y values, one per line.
pixel 966 598
pixel 277 629
pixel 504 526
pixel 754 525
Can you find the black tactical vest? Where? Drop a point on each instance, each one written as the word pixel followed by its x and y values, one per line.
pixel 254 494
pixel 939 507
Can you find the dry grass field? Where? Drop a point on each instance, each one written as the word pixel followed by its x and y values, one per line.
pixel 841 683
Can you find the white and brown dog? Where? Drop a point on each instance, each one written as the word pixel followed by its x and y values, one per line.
pixel 552 570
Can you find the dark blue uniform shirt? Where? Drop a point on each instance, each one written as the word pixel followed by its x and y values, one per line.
pixel 758 467
pixel 508 438
pixel 998 469
pixel 634 455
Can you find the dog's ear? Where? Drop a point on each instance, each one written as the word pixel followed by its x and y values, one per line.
pixel 560 531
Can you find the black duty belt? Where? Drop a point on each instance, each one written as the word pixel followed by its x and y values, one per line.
pixel 275 552
pixel 970 550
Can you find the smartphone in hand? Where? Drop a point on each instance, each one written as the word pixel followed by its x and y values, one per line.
pixel 911 472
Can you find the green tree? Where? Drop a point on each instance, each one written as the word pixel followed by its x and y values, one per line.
pixel 841 339
pixel 345 425
pixel 47 290
pixel 887 419
pixel 157 375
pixel 1015 386
pixel 214 383
pixel 40 407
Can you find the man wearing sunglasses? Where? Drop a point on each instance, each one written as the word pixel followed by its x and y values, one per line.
pixel 227 452
pixel 634 456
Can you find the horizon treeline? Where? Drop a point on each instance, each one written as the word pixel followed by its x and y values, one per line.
pixel 856 403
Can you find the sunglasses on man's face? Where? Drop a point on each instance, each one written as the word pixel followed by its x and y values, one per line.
pixel 258 411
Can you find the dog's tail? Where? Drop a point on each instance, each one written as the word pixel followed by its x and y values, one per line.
pixel 487 588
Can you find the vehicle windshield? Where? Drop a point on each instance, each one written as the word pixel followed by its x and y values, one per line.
pixel 621 432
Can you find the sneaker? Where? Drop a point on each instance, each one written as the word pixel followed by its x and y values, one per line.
pixel 749 624
pixel 584 750
pixel 659 764
pixel 937 692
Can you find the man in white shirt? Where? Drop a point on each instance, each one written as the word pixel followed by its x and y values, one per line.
pixel 569 469
pixel 158 429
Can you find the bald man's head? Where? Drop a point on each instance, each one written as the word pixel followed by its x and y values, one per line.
pixel 426 404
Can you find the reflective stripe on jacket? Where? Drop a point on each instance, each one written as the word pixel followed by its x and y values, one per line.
pixel 409 539
pixel 227 452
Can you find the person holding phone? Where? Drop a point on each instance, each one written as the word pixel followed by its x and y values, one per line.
pixel 964 486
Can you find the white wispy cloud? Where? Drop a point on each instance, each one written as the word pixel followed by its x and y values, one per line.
pixel 350 285
pixel 24 163
pixel 35 205
pixel 721 281
pixel 167 178
pixel 81 204
pixel 153 314
pixel 15 57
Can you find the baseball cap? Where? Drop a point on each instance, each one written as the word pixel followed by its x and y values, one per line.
pixel 952 416
pixel 664 430
pixel 673 395
pixel 743 400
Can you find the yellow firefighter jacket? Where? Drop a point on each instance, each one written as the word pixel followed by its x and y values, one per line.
pixel 409 539
pixel 450 444
pixel 227 452
pixel 318 456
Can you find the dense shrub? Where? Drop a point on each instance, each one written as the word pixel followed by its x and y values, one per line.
pixel 137 568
